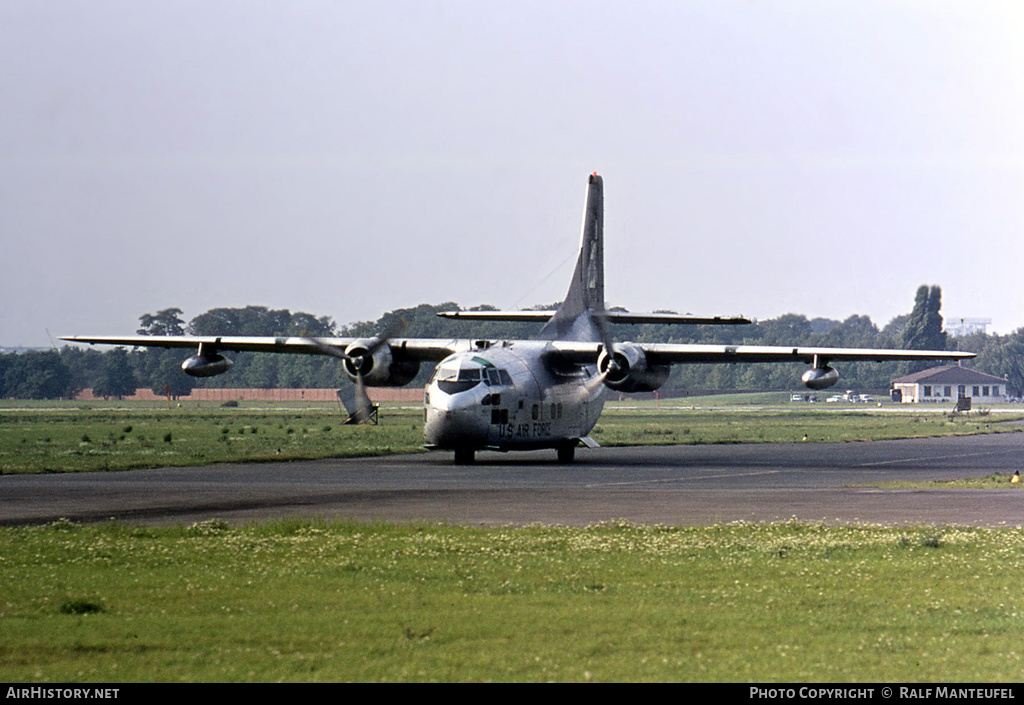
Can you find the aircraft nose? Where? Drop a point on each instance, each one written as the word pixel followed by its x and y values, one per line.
pixel 454 421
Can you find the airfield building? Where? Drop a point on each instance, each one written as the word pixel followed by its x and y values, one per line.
pixel 950 383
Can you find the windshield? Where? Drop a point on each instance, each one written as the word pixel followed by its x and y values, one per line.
pixel 453 380
pixel 459 376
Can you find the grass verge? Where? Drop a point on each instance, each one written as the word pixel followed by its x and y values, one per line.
pixel 68 439
pixel 995 481
pixel 302 601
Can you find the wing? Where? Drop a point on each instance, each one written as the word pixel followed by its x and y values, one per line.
pixel 634 367
pixel 679 353
pixel 415 349
pixel 435 349
pixel 683 353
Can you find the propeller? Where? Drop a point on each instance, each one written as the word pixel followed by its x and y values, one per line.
pixel 358 403
pixel 593 384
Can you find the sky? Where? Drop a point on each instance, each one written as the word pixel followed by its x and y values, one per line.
pixel 348 158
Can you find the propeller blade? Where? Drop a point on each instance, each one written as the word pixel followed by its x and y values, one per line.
pixel 328 349
pixel 395 327
pixel 601 320
pixel 357 403
pixel 361 407
pixel 592 385
pixel 362 402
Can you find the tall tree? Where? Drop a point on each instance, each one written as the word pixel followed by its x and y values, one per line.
pixel 84 364
pixel 36 375
pixel 934 335
pixel 251 320
pixel 116 376
pixel 923 330
pixel 160 370
pixel 913 331
pixel 165 322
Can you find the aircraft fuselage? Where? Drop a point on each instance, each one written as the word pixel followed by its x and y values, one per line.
pixel 509 396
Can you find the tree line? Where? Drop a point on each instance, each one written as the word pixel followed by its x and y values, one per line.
pixel 119 372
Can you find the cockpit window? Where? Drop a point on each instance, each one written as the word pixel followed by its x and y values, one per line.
pixel 453 378
pixel 452 381
pixel 497 377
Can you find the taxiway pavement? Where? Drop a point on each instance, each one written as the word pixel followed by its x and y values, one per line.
pixel 673 485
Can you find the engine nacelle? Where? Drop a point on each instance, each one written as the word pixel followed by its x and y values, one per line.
pixel 820 377
pixel 378 368
pixel 206 365
pixel 626 370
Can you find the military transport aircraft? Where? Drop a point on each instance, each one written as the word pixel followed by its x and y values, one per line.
pixel 524 394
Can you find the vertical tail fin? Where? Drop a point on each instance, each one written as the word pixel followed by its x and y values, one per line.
pixel 572 320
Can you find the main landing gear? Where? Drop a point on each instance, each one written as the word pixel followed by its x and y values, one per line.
pixel 464 456
pixel 566 454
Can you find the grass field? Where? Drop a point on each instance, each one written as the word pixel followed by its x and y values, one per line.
pixel 75 437
pixel 614 602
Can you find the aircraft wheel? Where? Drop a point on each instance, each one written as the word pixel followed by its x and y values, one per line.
pixel 566 453
pixel 464 456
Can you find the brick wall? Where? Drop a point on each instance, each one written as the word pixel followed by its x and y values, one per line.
pixel 376 394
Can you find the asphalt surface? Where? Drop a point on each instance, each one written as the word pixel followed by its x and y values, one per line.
pixel 673 485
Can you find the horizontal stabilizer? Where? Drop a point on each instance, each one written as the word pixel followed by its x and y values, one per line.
pixel 612 316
